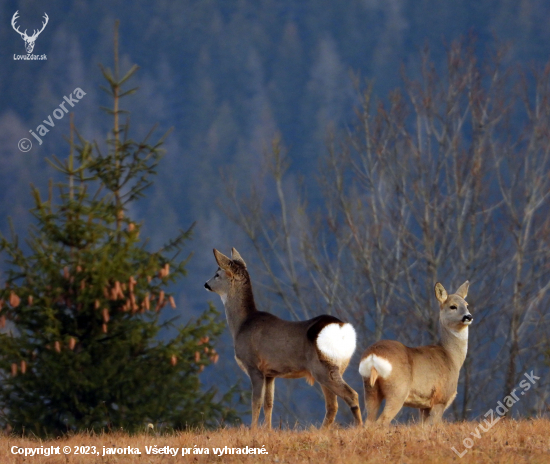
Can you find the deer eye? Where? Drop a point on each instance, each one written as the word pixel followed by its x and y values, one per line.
pixel 453 307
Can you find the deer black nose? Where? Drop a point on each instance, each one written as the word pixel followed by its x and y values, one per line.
pixel 468 317
pixel 207 286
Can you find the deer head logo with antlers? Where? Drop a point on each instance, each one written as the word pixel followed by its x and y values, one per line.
pixel 29 41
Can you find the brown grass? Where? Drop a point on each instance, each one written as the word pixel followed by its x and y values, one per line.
pixel 509 441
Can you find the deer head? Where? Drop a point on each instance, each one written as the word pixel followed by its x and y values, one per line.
pixel 29 41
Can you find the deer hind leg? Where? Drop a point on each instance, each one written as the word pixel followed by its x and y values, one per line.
pixel 373 400
pixel 329 377
pixel 394 402
pixel 268 400
pixel 258 393
pixel 331 404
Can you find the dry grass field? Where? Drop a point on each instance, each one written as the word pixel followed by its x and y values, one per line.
pixel 508 441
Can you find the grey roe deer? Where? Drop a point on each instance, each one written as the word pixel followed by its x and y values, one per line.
pixel 267 347
pixel 425 377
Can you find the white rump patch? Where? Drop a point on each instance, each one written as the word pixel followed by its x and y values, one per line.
pixel 337 342
pixel 382 366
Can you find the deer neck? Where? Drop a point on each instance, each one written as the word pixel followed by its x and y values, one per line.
pixel 455 343
pixel 239 304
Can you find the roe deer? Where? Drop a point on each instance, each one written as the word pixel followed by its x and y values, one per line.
pixel 267 347
pixel 425 377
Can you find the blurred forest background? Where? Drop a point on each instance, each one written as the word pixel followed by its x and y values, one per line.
pixel 369 196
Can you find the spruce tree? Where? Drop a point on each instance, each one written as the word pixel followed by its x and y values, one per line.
pixel 84 344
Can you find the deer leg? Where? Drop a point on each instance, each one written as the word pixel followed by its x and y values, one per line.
pixel 424 414
pixel 329 376
pixel 436 413
pixel 373 400
pixel 268 400
pixel 258 392
pixel 350 396
pixel 331 404
pixel 394 403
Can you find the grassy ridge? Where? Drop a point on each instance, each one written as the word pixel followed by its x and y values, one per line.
pixel 508 441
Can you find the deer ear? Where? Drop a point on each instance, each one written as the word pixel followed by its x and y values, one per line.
pixel 440 293
pixel 229 273
pixel 223 261
pixel 463 290
pixel 235 256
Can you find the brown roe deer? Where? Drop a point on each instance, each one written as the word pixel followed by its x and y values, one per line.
pixel 425 377
pixel 267 347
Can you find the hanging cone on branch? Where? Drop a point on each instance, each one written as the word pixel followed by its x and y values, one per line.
pixel 173 360
pixel 160 302
pixel 14 300
pixel 165 271
pixel 23 367
pixel 118 290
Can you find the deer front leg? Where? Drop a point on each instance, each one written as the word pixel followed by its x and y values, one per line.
pixel 258 392
pixel 331 404
pixel 424 415
pixel 268 400
pixel 436 413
